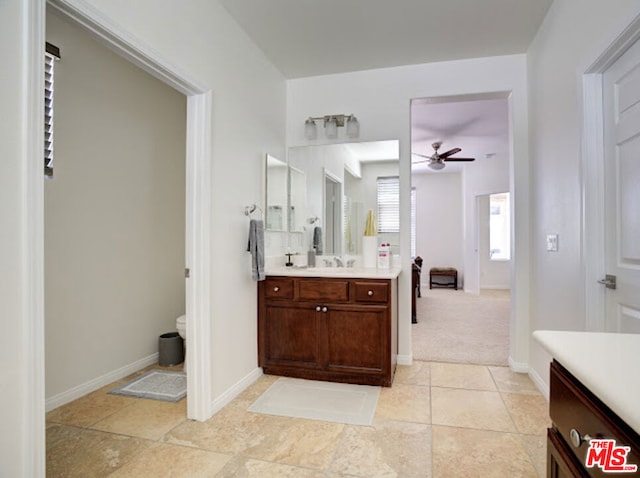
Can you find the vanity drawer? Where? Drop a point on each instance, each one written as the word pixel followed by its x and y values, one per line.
pixel 278 288
pixel 323 290
pixel 573 407
pixel 371 292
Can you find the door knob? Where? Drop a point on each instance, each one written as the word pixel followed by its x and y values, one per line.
pixel 577 439
pixel 318 309
pixel 324 309
pixel 609 281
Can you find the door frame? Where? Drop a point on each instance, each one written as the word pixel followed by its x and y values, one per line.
pixel 592 180
pixel 197 189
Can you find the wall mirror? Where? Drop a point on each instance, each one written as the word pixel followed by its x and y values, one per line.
pixel 276 188
pixel 341 186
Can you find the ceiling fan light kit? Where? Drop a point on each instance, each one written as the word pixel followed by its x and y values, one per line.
pixel 331 124
pixel 437 161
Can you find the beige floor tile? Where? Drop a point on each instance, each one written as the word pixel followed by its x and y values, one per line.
pixel 241 467
pixel 461 452
pixel 530 413
pixel 457 375
pixel 470 408
pixel 253 392
pixel 536 448
pixel 388 448
pixel 173 461
pixel 295 441
pixel 407 403
pixel 418 373
pixel 87 410
pixel 509 381
pixel 231 430
pixel 149 419
pixel 56 433
pixel 91 454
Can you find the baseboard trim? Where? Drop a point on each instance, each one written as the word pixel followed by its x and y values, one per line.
pixel 99 382
pixel 405 360
pixel 519 367
pixel 539 383
pixel 235 390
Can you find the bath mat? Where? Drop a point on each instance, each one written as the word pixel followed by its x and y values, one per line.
pixel 327 401
pixel 157 385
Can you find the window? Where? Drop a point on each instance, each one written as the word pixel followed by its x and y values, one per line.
pixel 52 53
pixel 388 204
pixel 499 227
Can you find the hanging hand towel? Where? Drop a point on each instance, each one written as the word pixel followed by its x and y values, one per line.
pixel 256 248
pixel 317 240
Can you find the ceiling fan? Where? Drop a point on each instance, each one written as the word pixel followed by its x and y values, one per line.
pixel 437 160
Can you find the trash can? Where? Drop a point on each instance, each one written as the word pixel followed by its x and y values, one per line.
pixel 170 349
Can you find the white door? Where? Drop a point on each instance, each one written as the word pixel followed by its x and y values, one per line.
pixel 622 191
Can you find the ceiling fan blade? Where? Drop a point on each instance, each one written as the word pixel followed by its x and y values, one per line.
pixel 450 152
pixel 422 155
pixel 460 159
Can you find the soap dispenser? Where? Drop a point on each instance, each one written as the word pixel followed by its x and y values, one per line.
pixel 311 257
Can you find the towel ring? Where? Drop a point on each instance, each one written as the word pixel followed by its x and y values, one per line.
pixel 248 210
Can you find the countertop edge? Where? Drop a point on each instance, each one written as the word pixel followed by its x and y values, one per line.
pixel 346 273
pixel 606 373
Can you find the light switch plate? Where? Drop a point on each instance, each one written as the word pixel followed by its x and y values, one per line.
pixel 552 242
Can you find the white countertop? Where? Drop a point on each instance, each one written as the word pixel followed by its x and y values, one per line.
pixel 608 364
pixel 346 272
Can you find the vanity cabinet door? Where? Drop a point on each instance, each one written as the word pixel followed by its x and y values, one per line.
pixel 291 336
pixel 561 463
pixel 355 339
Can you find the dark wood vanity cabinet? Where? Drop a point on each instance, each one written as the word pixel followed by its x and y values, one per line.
pixel 334 329
pixel 578 415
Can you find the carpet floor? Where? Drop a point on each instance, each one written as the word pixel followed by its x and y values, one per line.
pixel 454 326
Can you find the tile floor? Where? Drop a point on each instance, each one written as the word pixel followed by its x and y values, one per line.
pixel 438 420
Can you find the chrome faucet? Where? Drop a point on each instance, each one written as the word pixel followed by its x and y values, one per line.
pixel 351 262
pixel 339 262
pixel 327 263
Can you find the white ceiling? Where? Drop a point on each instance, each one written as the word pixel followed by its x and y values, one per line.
pixel 312 37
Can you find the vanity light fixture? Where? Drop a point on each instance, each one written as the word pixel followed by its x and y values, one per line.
pixel 331 125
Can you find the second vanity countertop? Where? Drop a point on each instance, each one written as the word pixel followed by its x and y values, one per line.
pixel 605 363
pixel 346 272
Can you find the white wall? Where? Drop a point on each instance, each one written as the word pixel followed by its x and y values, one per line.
pixel 556 59
pixel 491 175
pixel 439 222
pixel 381 101
pixel 114 213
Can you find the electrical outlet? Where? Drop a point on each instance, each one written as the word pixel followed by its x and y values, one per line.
pixel 552 242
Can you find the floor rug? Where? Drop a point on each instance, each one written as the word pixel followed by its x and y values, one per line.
pixel 327 401
pixel 157 385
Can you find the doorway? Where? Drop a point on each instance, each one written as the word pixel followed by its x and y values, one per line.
pixel 610 147
pixel 476 129
pixel 198 167
pixel 332 213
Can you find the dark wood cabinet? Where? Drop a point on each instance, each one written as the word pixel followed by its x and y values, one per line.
pixel 577 416
pixel 334 329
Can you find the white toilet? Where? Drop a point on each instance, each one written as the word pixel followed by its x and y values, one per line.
pixel 181 326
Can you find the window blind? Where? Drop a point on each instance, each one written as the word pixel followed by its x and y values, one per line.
pixel 51 54
pixel 388 204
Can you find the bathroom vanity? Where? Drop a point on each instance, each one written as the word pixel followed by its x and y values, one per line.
pixel 594 394
pixel 333 325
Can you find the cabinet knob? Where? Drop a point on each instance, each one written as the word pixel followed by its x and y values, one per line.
pixel 324 309
pixel 318 309
pixel 370 293
pixel 276 289
pixel 577 439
